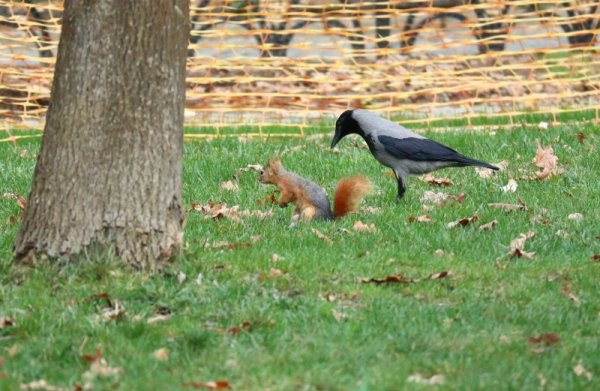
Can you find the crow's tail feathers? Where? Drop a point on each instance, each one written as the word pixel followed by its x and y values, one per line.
pixel 467 161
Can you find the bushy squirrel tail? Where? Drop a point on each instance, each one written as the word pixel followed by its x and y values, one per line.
pixel 348 194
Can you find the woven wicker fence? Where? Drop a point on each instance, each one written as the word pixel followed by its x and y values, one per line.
pixel 287 63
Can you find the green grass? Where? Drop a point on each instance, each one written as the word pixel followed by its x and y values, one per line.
pixel 471 327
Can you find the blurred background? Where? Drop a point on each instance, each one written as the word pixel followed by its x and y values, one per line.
pixel 284 66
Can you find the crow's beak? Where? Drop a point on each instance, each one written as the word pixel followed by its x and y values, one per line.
pixel 336 138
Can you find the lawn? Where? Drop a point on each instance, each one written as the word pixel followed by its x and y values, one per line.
pixel 263 306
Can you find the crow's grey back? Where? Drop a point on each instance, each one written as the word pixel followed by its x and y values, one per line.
pixel 371 123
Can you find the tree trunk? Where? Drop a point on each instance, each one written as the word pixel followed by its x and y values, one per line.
pixel 108 175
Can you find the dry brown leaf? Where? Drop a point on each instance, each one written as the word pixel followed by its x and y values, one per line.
pixel 276 258
pixel 21 201
pixel 230 185
pixel 115 311
pixel 1 361
pixel 99 368
pixel 211 385
pixel 92 357
pixel 420 219
pixel 434 181
pixel 158 318
pixel 580 371
pixel 217 211
pixel 13 350
pixel 359 226
pixel 508 207
pixel 596 257
pixel 463 222
pixel 547 161
pixel 427 380
pixel 581 137
pixel 439 275
pixel 235 330
pixel 487 173
pixel 321 235
pixel 161 354
pixel 575 216
pixel 488 226
pixel 40 385
pixel 338 315
pixel 393 279
pixel 371 209
pixel 249 167
pixel 6 322
pixel 517 245
pixel 567 290
pixel 434 197
pixel 547 339
pixel 510 187
pixel 274 273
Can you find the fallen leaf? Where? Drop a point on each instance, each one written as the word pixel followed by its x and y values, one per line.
pixel 92 357
pixel 439 252
pixel 21 201
pixel 161 354
pixel 439 275
pixel 393 279
pixel 547 161
pixel 115 311
pixel 547 339
pixel 428 380
pixel 581 137
pixel 575 216
pixel 230 185
pixel 1 361
pixel 181 277
pixel 158 318
pixel 211 385
pixel 371 209
pixel 276 258
pixel 487 173
pixel 420 219
pixel 580 371
pixel 40 385
pixel 543 125
pixel 235 330
pixel 463 222
pixel 543 380
pixel 433 197
pixel 510 187
pixel 517 245
pixel 274 273
pixel 596 257
pixel 359 226
pixel 338 315
pixel 567 290
pixel 99 368
pixel 509 207
pixel 321 235
pixel 13 350
pixel 561 233
pixel 249 167
pixel 488 226
pixel 432 180
pixel 6 322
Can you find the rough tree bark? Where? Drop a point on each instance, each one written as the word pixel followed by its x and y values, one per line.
pixel 108 175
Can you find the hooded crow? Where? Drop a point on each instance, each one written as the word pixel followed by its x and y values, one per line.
pixel 405 152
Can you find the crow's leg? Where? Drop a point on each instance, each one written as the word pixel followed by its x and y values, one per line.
pixel 401 186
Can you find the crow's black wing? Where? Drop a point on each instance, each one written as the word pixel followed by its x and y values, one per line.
pixel 418 149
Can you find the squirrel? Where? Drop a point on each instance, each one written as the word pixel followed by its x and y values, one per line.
pixel 310 199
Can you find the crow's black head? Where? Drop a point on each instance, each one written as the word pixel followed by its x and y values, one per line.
pixel 345 125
